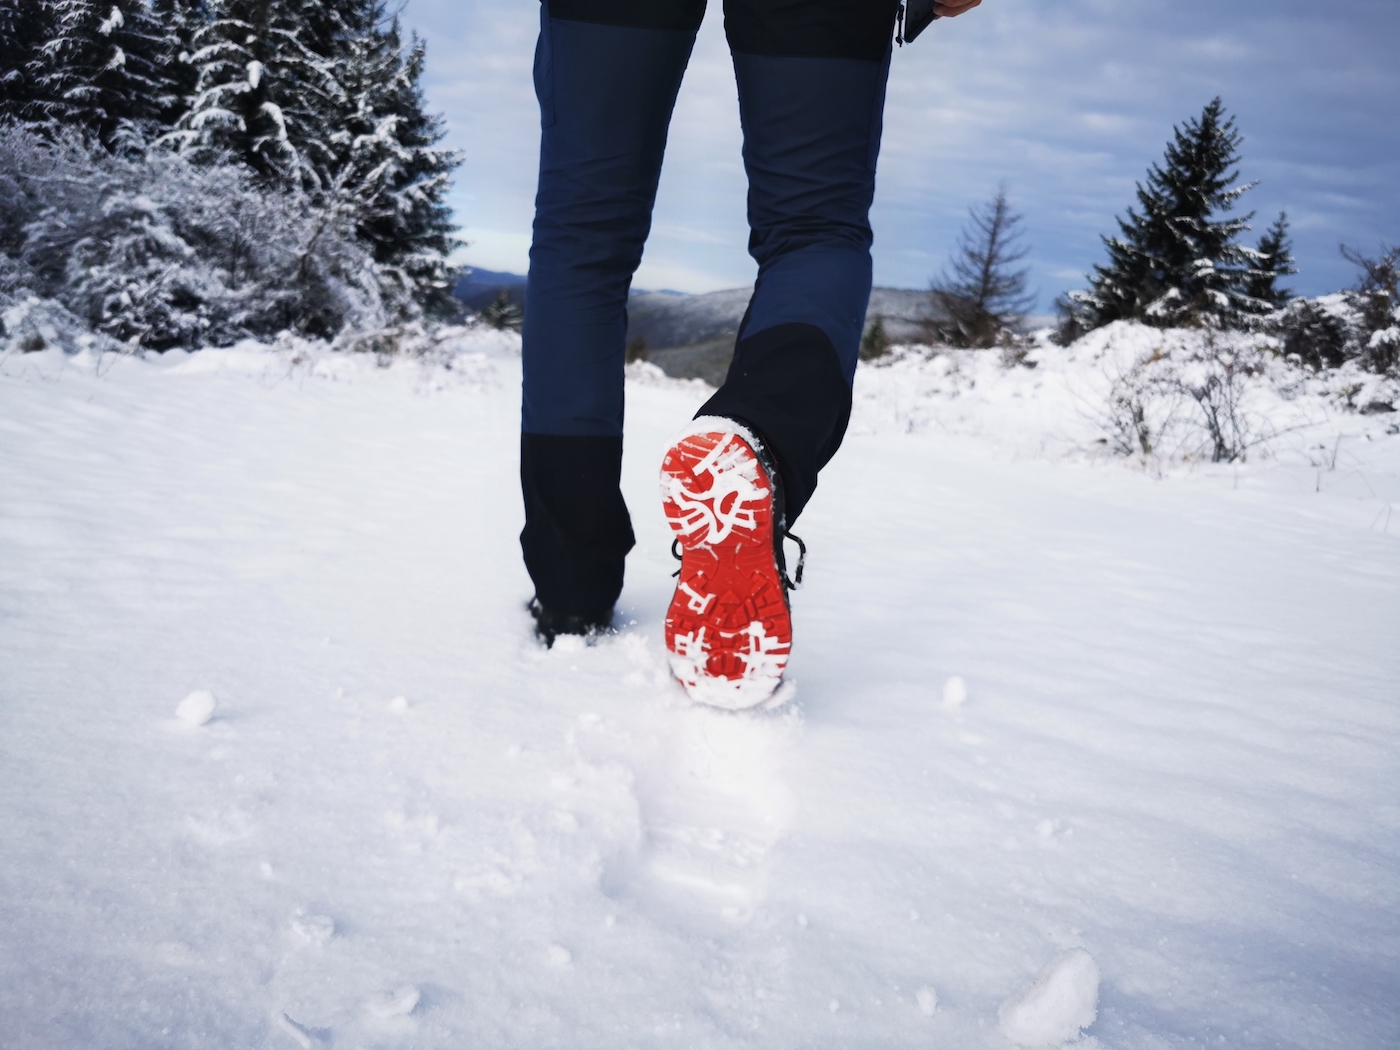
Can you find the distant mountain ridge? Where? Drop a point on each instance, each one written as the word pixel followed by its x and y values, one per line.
pixel 478 287
pixel 692 336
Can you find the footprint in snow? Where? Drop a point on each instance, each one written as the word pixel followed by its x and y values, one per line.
pixel 388 1005
pixel 712 799
pixel 314 929
pixel 219 828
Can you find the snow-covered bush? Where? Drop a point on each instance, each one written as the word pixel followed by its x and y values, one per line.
pixel 1317 333
pixel 155 251
pixel 1361 325
pixel 29 324
pixel 313 97
pixel 1191 394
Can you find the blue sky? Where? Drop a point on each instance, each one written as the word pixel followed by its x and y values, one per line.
pixel 1066 102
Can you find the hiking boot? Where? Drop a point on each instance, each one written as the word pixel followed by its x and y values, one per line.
pixel 729 626
pixel 549 626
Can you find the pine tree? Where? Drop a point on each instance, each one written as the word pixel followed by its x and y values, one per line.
pixel 1178 262
pixel 109 64
pixel 182 19
pixel 503 312
pixel 1273 259
pixel 388 165
pixel 25 25
pixel 984 297
pixel 263 93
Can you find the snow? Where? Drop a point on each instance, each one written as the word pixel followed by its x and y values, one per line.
pixel 927 999
pixel 197 708
pixel 1177 753
pixel 1053 1009
pixel 954 692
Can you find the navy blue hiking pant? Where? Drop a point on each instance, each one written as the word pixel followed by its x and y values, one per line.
pixel 811 77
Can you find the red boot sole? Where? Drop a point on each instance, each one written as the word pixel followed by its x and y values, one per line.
pixel 728 628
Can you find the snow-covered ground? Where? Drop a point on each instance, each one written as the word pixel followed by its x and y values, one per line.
pixel 1072 741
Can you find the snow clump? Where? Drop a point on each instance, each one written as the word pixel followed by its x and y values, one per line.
pixel 928 1001
pixel 954 692
pixel 1052 1009
pixel 197 708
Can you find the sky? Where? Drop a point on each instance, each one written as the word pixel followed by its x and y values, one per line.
pixel 1066 103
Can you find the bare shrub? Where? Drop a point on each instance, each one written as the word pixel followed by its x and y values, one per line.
pixel 1185 403
pixel 1217 385
pixel 1139 408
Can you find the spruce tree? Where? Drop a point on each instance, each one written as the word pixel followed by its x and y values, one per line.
pixel 263 93
pixel 1273 259
pixel 1178 260
pixel 25 25
pixel 182 19
pixel 389 166
pixel 109 64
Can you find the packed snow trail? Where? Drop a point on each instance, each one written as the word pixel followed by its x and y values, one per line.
pixel 1174 744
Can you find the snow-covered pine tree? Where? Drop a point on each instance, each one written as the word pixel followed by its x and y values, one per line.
pixel 25 25
pixel 109 64
pixel 266 91
pixel 323 95
pixel 182 19
pixel 1178 261
pixel 1273 260
pixel 390 170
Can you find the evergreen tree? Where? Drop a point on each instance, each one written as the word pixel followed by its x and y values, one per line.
pixel 1273 259
pixel 25 25
pixel 983 298
pixel 263 93
pixel 388 165
pixel 108 65
pixel 503 312
pixel 182 19
pixel 1178 262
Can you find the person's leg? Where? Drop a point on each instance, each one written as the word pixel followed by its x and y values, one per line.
pixel 607 73
pixel 811 76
